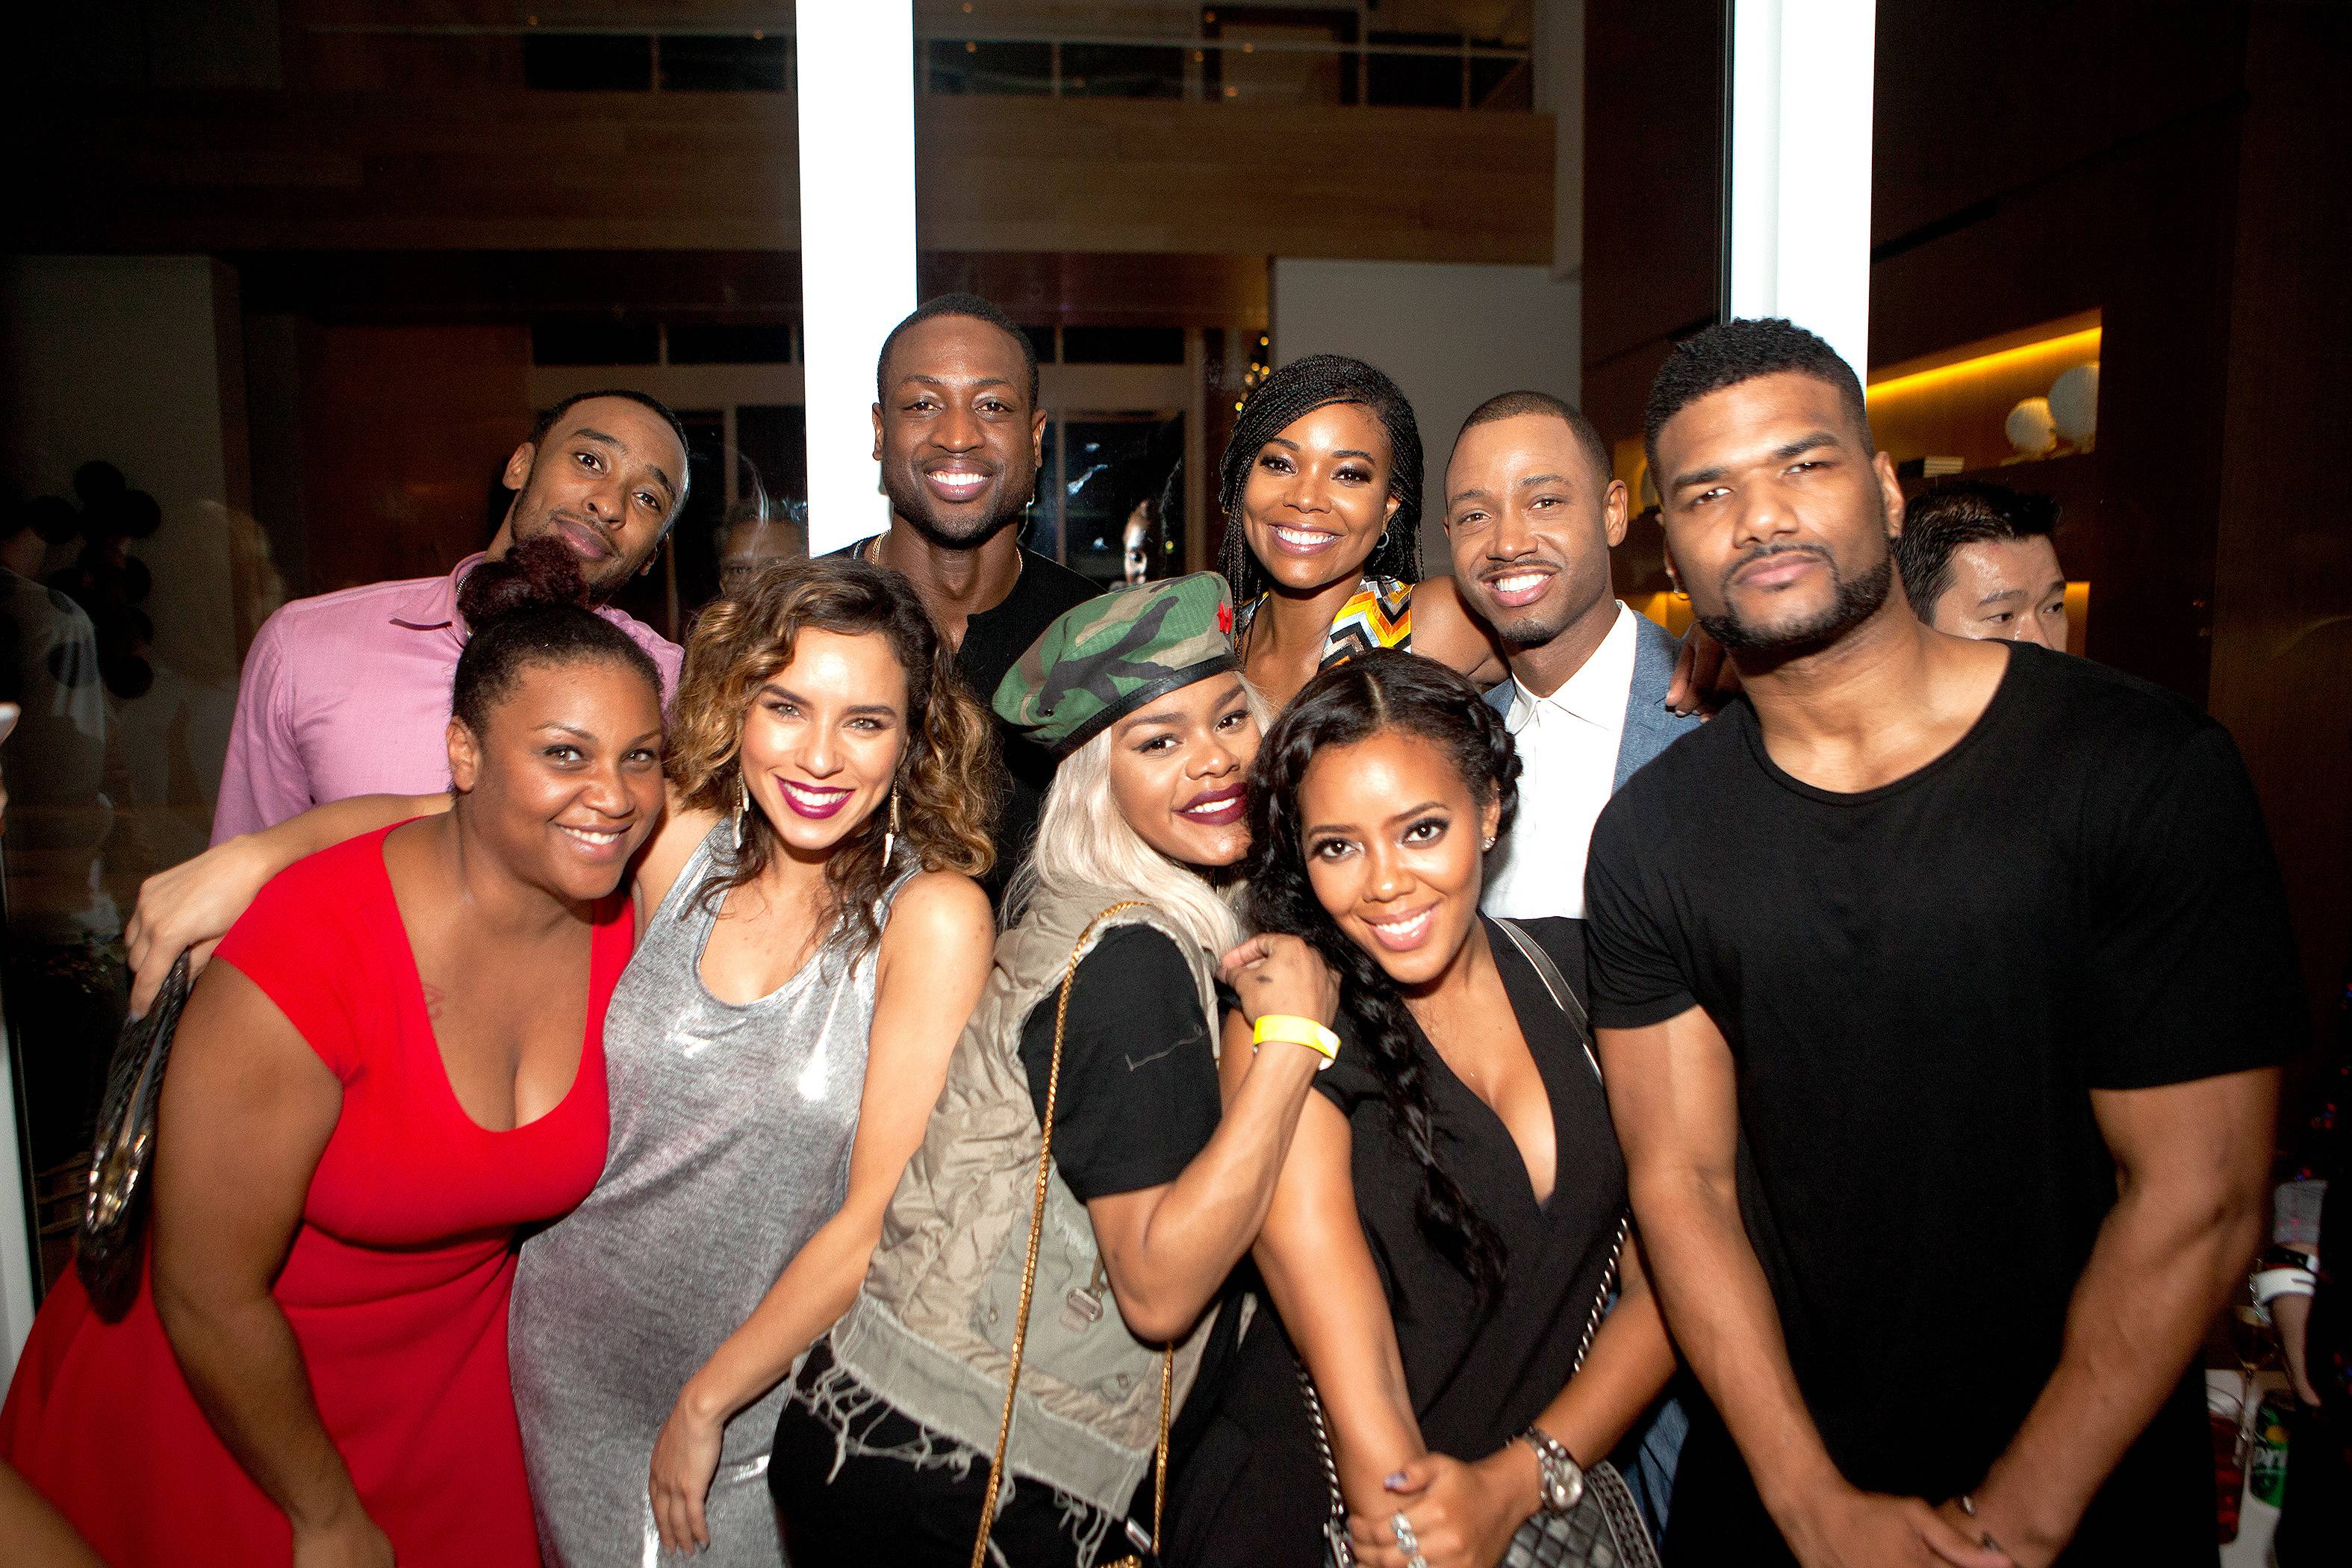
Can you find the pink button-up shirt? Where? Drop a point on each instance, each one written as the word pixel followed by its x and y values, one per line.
pixel 349 694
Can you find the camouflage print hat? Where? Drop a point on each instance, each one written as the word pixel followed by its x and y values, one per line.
pixel 1102 660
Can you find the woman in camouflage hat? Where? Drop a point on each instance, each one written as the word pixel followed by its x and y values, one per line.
pixel 1023 1359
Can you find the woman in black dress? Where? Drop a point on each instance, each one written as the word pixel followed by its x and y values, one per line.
pixel 1446 1217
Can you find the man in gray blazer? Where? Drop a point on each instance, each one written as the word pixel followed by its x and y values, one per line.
pixel 1531 510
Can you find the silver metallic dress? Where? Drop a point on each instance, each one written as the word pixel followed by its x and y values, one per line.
pixel 731 1142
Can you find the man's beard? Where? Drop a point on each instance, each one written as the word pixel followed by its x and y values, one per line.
pixel 1857 599
pixel 911 500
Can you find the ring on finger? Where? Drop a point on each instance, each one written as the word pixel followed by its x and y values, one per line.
pixel 1406 1541
pixel 1416 1561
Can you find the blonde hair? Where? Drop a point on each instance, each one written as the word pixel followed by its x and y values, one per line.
pixel 1086 846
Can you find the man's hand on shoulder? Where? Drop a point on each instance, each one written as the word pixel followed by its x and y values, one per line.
pixel 1705 677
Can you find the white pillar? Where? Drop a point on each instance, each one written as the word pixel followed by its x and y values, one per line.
pixel 17 1261
pixel 856 92
pixel 1801 81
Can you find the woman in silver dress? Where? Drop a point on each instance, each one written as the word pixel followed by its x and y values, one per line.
pixel 810 942
pixel 813 942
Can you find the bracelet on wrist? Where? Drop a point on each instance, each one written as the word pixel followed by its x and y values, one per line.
pixel 2270 1284
pixel 1297 1031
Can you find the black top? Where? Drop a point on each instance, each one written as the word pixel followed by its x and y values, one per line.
pixel 1480 1374
pixel 993 641
pixel 1921 985
pixel 1138 1093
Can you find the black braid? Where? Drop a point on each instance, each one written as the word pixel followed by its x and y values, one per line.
pixel 1297 389
pixel 1383 689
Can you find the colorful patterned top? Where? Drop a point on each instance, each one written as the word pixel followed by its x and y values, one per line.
pixel 1379 614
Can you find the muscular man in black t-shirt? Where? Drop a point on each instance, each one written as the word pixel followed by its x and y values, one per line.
pixel 1937 985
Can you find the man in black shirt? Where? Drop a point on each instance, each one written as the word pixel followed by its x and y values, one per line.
pixel 959 434
pixel 1905 968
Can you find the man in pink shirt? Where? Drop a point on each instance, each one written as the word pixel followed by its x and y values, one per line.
pixel 348 693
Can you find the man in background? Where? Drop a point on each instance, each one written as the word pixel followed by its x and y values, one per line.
pixel 348 693
pixel 1978 561
pixel 1532 512
pixel 959 434
pixel 759 533
pixel 1946 1085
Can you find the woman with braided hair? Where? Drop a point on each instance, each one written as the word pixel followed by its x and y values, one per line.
pixel 1320 485
pixel 1443 1232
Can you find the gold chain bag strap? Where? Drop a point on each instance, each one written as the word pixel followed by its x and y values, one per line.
pixel 1029 1285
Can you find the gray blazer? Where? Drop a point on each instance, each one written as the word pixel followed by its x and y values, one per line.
pixel 1649 727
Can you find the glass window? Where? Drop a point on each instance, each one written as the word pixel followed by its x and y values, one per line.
pixel 581 62
pixel 1114 502
pixel 595 343
pixel 701 62
pixel 703 344
pixel 1122 345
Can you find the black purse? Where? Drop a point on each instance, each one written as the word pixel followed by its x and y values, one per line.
pixel 111 1248
pixel 1605 1529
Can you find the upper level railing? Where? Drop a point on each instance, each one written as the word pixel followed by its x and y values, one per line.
pixel 1420 71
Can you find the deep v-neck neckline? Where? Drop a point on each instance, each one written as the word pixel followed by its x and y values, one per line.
pixel 414 986
pixel 1543 1201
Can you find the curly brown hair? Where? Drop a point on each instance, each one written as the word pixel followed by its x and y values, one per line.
pixel 947 774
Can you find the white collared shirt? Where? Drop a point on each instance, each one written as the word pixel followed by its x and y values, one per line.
pixel 1567 753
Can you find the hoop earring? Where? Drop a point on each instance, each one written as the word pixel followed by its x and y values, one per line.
pixel 891 835
pixel 742 810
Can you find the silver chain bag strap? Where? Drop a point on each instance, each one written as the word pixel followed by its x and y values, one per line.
pixel 1605 1529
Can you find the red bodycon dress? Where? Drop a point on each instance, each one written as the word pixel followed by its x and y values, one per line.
pixel 397 1284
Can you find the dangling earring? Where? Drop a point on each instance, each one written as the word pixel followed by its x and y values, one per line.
pixel 891 835
pixel 742 810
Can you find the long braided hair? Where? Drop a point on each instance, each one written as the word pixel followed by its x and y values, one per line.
pixel 1381 690
pixel 1297 389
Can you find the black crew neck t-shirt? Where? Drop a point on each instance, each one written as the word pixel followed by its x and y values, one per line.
pixel 1921 985
pixel 993 641
pixel 1139 1095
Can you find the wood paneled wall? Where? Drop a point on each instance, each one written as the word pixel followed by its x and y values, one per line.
pixel 2283 562
pixel 540 170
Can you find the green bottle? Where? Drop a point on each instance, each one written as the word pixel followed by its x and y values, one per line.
pixel 2266 1467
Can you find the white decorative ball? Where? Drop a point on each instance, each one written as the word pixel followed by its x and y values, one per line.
pixel 2074 403
pixel 2030 428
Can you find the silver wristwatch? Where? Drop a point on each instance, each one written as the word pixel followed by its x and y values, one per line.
pixel 1563 1477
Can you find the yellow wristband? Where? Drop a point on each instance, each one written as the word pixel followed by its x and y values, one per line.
pixel 1298 1031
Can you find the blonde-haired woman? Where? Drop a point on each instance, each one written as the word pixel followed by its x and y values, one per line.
pixel 811 940
pixel 1086 1079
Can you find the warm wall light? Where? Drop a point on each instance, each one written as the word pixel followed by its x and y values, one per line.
pixel 1956 402
pixel 2084 342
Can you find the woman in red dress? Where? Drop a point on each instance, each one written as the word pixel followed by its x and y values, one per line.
pixel 394 1064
